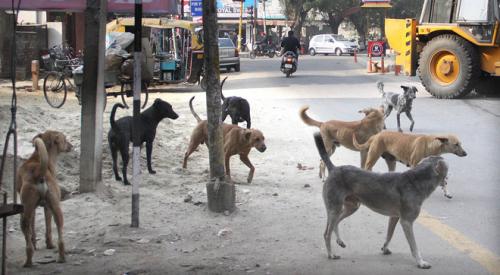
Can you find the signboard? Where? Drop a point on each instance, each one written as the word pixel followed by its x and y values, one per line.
pixel 148 6
pixel 376 48
pixel 231 9
pixel 196 8
pixel 273 10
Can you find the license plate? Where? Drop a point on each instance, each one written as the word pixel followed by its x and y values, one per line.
pixel 46 56
pixel 288 66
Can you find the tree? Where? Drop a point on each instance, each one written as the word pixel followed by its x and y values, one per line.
pixel 296 11
pixel 336 11
pixel 221 195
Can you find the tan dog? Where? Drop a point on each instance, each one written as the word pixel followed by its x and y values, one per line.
pixel 409 149
pixel 237 141
pixel 37 186
pixel 336 132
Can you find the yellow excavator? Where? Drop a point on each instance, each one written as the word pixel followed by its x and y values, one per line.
pixel 455 46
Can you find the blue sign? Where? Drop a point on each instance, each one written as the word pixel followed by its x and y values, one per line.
pixel 196 8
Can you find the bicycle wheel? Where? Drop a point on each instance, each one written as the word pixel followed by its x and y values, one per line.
pixel 54 89
pixel 127 95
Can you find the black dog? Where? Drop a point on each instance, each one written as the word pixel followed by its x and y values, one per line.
pixel 120 134
pixel 399 102
pixel 236 107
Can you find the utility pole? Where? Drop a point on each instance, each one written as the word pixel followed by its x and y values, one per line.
pixel 264 10
pixel 136 122
pixel 93 95
pixel 220 194
pixel 240 25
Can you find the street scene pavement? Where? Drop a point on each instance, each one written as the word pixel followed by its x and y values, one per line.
pixel 280 218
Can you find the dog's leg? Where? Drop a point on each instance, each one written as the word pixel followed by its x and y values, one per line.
pixel 29 203
pixel 387 112
pixel 408 229
pixel 350 206
pixel 363 154
pixel 114 156
pixel 408 114
pixel 227 166
pixel 446 193
pixel 249 123
pixel 398 116
pixel 390 231
pixel 149 151
pixel 246 161
pixel 332 216
pixel 33 231
pixel 58 218
pixel 125 159
pixel 48 228
pixel 193 144
pixel 391 165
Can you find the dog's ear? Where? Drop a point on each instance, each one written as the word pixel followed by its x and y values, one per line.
pixel 441 168
pixel 443 139
pixel 404 87
pixel 248 134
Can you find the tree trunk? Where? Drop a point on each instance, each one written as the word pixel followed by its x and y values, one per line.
pixel 221 195
pixel 334 21
pixel 301 18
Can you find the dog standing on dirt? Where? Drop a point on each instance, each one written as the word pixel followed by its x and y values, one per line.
pixel 236 107
pixel 399 102
pixel 336 132
pixel 237 141
pixel 397 195
pixel 120 134
pixel 37 186
pixel 409 149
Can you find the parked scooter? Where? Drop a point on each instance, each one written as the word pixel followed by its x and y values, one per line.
pixel 262 49
pixel 289 63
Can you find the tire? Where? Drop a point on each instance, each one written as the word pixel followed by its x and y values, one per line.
pixel 288 74
pixel 338 52
pixel 252 55
pixel 488 85
pixel 127 96
pixel 460 77
pixel 54 89
pixel 271 54
pixel 312 52
pixel 237 68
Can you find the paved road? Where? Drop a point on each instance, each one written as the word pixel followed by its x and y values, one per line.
pixel 460 235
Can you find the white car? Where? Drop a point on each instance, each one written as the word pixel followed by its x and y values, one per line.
pixel 331 43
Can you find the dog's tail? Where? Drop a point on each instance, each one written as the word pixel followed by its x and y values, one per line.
pixel 363 146
pixel 112 116
pixel 380 87
pixel 222 85
pixel 43 155
pixel 322 152
pixel 307 120
pixel 192 110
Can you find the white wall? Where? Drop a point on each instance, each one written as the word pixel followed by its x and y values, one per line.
pixel 55 33
pixel 32 17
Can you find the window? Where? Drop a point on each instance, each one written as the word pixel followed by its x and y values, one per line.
pixel 226 43
pixel 441 11
pixel 473 10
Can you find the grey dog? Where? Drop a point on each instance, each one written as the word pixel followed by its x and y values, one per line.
pixel 399 102
pixel 397 195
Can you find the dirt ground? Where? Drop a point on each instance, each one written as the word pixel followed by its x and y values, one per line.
pixel 277 224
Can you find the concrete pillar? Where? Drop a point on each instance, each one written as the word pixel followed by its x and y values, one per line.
pixel 93 96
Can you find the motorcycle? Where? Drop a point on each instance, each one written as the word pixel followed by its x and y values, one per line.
pixel 289 63
pixel 262 49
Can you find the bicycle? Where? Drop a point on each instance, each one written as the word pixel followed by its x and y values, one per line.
pixel 55 83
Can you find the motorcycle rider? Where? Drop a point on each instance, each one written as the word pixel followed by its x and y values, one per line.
pixel 290 43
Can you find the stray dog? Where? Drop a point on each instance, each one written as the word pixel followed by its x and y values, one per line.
pixel 120 134
pixel 397 195
pixel 37 186
pixel 237 141
pixel 335 132
pixel 409 149
pixel 399 102
pixel 236 107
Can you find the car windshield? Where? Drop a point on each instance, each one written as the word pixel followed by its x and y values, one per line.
pixel 225 43
pixel 474 10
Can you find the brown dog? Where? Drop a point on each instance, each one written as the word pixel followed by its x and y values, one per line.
pixel 237 141
pixel 37 186
pixel 336 132
pixel 409 149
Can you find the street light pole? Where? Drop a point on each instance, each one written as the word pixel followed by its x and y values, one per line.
pixel 240 26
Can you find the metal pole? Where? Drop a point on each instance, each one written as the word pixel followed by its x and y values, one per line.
pixel 241 23
pixel 264 10
pixel 136 180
